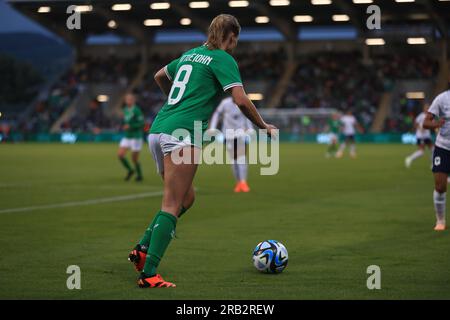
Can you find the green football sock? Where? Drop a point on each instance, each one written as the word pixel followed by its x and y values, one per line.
pixel 125 163
pixel 163 232
pixel 145 241
pixel 138 169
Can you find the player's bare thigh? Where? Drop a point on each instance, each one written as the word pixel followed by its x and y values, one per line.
pixel 122 152
pixel 189 197
pixel 178 178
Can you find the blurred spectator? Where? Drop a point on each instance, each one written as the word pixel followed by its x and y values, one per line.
pixel 47 111
pixel 322 80
pixel 108 69
pixel 342 81
pixel 261 65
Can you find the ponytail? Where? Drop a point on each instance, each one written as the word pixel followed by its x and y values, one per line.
pixel 220 28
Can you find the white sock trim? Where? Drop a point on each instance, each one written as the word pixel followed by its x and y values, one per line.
pixel 439 200
pixel 416 155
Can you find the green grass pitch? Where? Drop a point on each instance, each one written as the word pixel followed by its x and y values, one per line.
pixel 335 216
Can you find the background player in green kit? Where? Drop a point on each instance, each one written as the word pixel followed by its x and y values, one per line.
pixel 334 125
pixel 194 84
pixel 134 126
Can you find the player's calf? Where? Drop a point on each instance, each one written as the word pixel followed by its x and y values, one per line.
pixel 439 197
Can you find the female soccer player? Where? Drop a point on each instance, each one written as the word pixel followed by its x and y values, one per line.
pixel 334 124
pixel 349 123
pixel 193 84
pixel 134 126
pixel 233 120
pixel 440 108
pixel 423 137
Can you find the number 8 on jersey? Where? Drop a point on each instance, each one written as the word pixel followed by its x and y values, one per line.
pixel 180 84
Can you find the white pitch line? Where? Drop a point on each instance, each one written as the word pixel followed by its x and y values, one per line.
pixel 85 202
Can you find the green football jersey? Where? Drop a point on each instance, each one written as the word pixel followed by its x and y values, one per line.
pixel 334 125
pixel 199 78
pixel 134 118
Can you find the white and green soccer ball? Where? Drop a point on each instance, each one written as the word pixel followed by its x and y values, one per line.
pixel 270 256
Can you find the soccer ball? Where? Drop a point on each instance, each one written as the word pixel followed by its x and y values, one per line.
pixel 270 256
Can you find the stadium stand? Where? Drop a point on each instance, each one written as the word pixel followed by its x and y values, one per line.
pixel 338 80
pixel 111 73
pixel 403 73
pixel 48 110
pixel 288 65
pixel 149 96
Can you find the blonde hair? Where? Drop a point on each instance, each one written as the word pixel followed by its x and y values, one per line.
pixel 220 28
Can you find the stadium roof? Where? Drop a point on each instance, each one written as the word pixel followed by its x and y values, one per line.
pixel 140 19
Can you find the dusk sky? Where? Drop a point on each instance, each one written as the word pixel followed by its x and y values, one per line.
pixel 13 21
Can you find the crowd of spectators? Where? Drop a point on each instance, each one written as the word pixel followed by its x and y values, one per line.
pixel 86 70
pixel 261 65
pixel 48 110
pixel 406 66
pixel 335 80
pixel 403 120
pixel 107 69
pixel 344 81
pixel 149 97
pixel 396 67
pixel 94 120
pixel 322 80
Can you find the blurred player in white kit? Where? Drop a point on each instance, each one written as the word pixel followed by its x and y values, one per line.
pixel 438 117
pixel 234 126
pixel 423 137
pixel 349 125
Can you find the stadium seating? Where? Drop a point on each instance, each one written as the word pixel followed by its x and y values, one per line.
pixel 406 68
pixel 48 110
pixel 343 81
pixel 86 71
pixel 339 80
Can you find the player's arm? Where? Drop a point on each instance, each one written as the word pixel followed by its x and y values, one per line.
pixel 247 107
pixel 248 125
pixel 431 123
pixel 163 81
pixel 164 77
pixel 227 73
